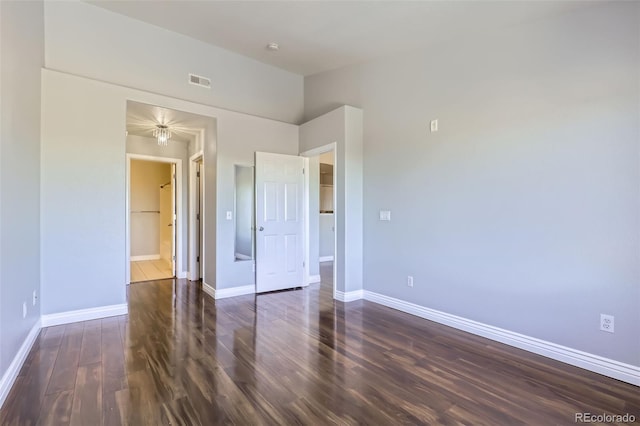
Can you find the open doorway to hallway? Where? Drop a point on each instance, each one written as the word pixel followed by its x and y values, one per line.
pixel 166 152
pixel 152 216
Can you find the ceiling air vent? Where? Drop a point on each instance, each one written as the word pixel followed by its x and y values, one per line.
pixel 199 81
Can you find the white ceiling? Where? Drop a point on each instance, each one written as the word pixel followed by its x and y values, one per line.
pixel 316 36
pixel 142 120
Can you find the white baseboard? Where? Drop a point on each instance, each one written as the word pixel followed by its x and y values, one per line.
pixel 182 274
pixel 145 257
pixel 84 315
pixel 209 289
pixel 325 259
pixel 224 293
pixel 9 377
pixel 313 279
pixel 608 367
pixel 349 296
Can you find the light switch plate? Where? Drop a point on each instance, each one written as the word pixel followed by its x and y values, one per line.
pixel 229 215
pixel 385 215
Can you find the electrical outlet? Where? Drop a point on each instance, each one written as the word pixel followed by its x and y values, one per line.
pixel 434 125
pixel 229 215
pixel 410 281
pixel 35 298
pixel 607 323
pixel 24 309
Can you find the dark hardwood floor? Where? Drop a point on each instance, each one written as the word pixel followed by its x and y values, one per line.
pixel 293 357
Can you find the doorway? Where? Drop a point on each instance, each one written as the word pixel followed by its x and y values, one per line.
pixel 154 191
pixel 321 217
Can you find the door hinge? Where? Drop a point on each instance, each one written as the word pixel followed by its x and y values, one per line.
pixel 303 265
pixel 197 216
pixel 303 170
pixel 198 259
pixel 197 174
pixel 173 257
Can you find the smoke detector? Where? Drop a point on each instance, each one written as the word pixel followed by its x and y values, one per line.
pixel 273 47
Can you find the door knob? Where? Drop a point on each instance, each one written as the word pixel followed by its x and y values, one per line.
pixel 261 228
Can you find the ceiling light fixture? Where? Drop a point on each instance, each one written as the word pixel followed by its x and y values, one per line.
pixel 162 133
pixel 273 47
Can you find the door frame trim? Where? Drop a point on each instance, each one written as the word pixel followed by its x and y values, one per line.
pixel 193 272
pixel 179 273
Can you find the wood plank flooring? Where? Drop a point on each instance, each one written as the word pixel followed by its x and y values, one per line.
pixel 147 270
pixel 292 357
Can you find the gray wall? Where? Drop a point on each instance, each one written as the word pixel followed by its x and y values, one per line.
pixel 239 147
pixel 210 205
pixel 522 211
pixel 343 126
pixel 326 236
pixel 89 41
pixel 21 57
pixel 83 165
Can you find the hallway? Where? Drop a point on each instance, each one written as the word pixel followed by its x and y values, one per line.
pixel 147 270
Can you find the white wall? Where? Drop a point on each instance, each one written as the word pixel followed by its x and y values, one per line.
pixel 146 177
pixel 86 40
pixel 522 211
pixel 21 57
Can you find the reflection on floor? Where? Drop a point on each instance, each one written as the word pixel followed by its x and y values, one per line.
pixel 147 270
pixel 290 357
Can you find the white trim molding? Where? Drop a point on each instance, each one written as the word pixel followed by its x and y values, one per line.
pixel 84 315
pixel 325 259
pixel 209 289
pixel 313 279
pixel 349 296
pixel 224 293
pixel 10 376
pixel 145 257
pixel 182 274
pixel 608 367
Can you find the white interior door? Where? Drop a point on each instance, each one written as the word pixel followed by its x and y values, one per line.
pixel 279 221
